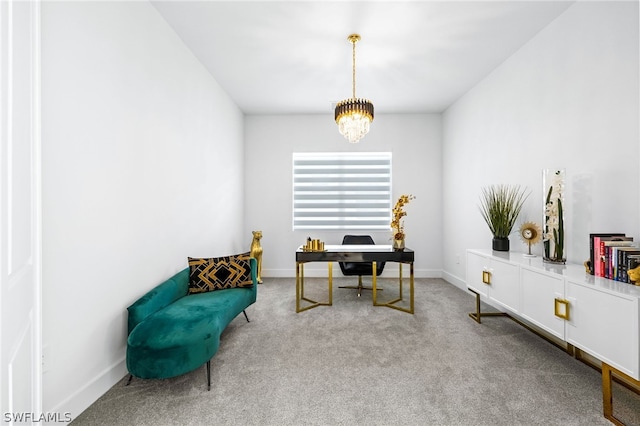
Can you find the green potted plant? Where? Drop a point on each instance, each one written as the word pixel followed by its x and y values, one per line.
pixel 500 206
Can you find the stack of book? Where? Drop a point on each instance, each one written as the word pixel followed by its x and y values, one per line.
pixel 612 255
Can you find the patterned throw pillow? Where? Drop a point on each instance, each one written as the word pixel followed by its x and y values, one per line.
pixel 219 273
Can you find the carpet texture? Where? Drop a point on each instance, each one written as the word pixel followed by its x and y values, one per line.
pixel 352 363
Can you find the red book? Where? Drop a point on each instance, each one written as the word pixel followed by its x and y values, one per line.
pixel 601 262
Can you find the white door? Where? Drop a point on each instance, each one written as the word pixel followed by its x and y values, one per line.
pixel 20 263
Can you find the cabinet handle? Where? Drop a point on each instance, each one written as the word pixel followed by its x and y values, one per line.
pixel 562 308
pixel 486 277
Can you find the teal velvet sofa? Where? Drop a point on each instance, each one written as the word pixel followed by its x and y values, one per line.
pixel 172 332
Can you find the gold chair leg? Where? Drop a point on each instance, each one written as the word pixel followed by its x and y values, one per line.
pixel 359 287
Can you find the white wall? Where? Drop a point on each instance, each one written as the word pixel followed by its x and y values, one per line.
pixel 415 143
pixel 142 167
pixel 567 99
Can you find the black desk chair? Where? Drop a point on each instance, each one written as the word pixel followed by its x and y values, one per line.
pixel 359 268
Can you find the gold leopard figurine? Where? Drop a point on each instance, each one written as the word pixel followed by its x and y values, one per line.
pixel 256 252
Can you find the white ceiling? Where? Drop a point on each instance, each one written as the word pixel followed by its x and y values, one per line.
pixel 285 57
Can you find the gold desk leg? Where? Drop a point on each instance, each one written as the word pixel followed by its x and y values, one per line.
pixel 299 267
pixel 391 303
pixel 411 291
pixel 400 278
pixel 330 283
pixel 300 289
pixel 374 283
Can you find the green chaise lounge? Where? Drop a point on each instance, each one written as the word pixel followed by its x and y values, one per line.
pixel 173 332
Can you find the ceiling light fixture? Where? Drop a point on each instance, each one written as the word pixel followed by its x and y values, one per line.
pixel 354 115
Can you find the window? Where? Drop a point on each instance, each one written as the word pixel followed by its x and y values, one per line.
pixel 342 190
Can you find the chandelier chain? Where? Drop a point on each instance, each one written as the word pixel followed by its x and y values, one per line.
pixel 353 43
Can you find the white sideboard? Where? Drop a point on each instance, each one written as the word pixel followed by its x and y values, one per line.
pixel 596 315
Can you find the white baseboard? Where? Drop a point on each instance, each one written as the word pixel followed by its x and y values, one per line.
pixel 81 399
pixel 454 280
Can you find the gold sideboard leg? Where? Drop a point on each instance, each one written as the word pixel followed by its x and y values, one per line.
pixel 607 391
pixel 607 396
pixel 477 315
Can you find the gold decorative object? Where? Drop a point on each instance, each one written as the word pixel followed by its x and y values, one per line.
pixel 634 275
pixel 313 245
pixel 531 234
pixel 396 223
pixel 256 252
pixel 398 244
pixel 354 115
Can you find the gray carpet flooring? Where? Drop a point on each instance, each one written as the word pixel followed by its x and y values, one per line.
pixel 356 364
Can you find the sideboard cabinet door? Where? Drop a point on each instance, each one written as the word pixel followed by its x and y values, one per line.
pixel 478 273
pixel 605 325
pixel 539 294
pixel 505 286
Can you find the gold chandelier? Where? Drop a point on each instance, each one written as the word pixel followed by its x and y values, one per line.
pixel 354 115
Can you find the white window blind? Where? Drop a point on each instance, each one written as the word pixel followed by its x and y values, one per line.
pixel 342 190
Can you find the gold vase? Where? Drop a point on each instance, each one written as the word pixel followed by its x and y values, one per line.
pixel 398 244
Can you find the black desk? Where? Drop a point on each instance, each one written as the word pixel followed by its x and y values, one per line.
pixel 353 253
